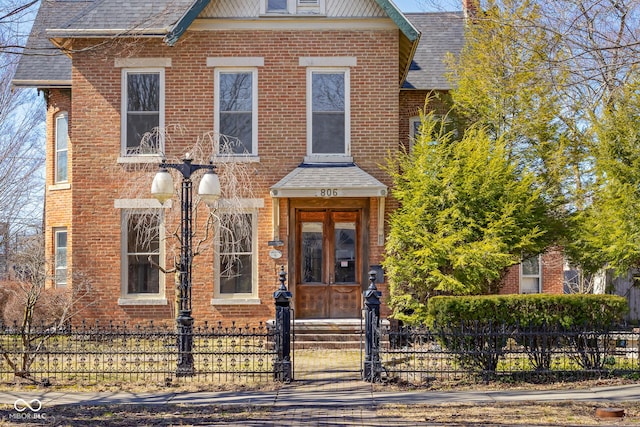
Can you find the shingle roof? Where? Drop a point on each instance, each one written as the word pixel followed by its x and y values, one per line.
pixel 42 64
pixel 310 180
pixel 131 16
pixel 45 66
pixel 442 32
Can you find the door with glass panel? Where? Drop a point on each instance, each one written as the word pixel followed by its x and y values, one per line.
pixel 328 264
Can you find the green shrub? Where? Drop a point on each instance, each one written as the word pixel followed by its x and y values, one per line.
pixel 477 328
pixel 568 311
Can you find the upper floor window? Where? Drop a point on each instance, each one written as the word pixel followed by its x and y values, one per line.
pixel 531 275
pixel 142 111
pixel 236 104
pixel 141 250
pixel 276 6
pixel 60 240
pixel 301 7
pixel 61 148
pixel 328 112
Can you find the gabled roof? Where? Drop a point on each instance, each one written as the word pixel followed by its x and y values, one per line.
pixel 310 180
pixel 442 33
pixel 42 64
pixel 58 21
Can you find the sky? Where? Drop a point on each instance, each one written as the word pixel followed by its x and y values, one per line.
pixel 427 5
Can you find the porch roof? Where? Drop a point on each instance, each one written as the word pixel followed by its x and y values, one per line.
pixel 328 180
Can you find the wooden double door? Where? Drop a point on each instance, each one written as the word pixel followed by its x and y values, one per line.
pixel 328 264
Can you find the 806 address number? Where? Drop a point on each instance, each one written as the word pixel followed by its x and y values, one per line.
pixel 328 192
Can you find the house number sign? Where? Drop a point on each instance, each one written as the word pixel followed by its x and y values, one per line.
pixel 329 192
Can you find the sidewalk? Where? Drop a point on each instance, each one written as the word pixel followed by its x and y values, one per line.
pixel 341 394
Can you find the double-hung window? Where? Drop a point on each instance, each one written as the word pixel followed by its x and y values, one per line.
pixel 531 275
pixel 61 148
pixel 142 111
pixel 60 241
pixel 236 262
pixel 236 104
pixel 141 237
pixel 328 108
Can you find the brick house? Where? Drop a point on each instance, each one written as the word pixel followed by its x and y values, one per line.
pixel 317 92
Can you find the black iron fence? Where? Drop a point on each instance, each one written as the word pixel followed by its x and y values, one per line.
pixel 122 353
pixel 485 352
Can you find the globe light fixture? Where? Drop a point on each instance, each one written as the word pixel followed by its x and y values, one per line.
pixel 209 191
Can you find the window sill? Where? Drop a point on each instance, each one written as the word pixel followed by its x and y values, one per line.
pixel 142 301
pixel 235 301
pixel 236 159
pixel 329 158
pixel 140 159
pixel 62 186
pixel 298 14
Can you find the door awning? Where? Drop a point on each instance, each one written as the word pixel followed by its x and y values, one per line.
pixel 328 180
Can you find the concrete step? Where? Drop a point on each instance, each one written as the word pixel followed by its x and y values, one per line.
pixel 327 333
pixel 327 345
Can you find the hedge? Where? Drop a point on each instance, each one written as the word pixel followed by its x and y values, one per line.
pixel 567 311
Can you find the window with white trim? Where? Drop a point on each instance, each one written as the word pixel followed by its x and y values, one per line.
pixel 141 248
pixel 531 275
pixel 328 112
pixel 142 111
pixel 277 6
pixel 60 242
pixel 414 130
pixel 61 148
pixel 236 106
pixel 236 256
pixel 298 7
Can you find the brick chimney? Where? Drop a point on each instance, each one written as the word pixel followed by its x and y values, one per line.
pixel 470 8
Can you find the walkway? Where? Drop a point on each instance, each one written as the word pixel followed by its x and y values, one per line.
pixel 321 397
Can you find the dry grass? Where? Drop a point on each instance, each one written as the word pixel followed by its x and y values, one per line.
pixel 177 386
pixel 496 414
pixel 332 366
pixel 512 413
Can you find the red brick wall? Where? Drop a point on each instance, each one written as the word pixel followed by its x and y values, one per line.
pixel 414 101
pixel 189 103
pixel 58 198
pixel 552 275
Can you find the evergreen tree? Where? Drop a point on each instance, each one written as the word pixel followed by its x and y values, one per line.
pixel 467 213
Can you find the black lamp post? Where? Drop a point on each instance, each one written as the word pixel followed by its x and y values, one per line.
pixel 209 191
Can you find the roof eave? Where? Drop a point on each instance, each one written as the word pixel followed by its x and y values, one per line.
pixel 42 84
pixel 407 29
pixel 404 71
pixel 185 22
pixel 400 20
pixel 60 34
